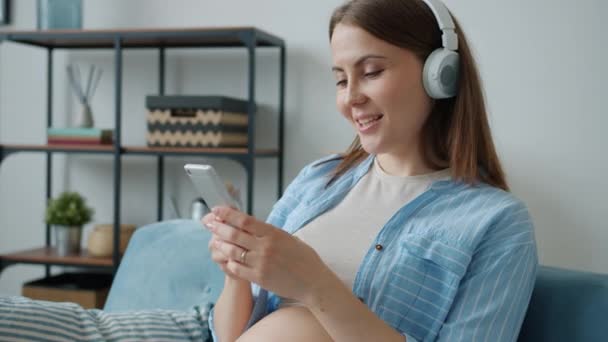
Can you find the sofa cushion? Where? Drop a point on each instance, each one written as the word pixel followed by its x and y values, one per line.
pixel 167 265
pixel 567 305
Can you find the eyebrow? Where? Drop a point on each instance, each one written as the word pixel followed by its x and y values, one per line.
pixel 359 61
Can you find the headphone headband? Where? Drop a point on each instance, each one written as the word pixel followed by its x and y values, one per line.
pixel 449 39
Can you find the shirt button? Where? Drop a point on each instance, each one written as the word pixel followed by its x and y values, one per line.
pixel 379 247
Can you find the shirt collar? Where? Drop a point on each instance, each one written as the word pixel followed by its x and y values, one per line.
pixel 363 167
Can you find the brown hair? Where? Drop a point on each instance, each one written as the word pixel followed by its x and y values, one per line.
pixel 457 133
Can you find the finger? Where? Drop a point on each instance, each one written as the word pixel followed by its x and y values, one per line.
pixel 241 271
pixel 219 258
pixel 241 220
pixel 211 246
pixel 230 216
pixel 209 218
pixel 216 254
pixel 233 235
pixel 227 271
pixel 233 252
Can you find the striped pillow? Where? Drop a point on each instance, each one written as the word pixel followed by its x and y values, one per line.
pixel 35 320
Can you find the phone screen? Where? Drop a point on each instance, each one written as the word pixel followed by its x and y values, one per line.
pixel 209 185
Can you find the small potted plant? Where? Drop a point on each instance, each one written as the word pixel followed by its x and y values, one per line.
pixel 67 214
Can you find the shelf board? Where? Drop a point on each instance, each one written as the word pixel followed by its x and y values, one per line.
pixel 142 38
pixel 48 255
pixel 141 150
pixel 57 148
pixel 198 151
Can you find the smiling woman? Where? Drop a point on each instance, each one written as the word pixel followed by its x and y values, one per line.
pixel 411 233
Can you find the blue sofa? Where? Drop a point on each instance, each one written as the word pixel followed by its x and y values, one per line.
pixel 567 305
pixel 167 265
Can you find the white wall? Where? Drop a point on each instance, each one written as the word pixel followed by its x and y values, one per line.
pixel 541 62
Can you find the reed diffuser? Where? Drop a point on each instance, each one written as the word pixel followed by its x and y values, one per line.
pixel 84 91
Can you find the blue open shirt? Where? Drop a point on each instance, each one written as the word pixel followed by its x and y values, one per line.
pixel 458 263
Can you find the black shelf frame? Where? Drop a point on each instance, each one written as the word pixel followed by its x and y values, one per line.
pixel 249 38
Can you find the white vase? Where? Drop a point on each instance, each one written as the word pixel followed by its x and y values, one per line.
pixel 84 118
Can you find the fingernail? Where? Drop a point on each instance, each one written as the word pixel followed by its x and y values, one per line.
pixel 210 226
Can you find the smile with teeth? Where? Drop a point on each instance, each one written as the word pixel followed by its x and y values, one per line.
pixel 364 123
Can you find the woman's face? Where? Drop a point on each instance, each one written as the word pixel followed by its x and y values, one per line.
pixel 379 90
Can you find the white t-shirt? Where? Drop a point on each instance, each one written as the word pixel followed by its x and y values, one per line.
pixel 342 235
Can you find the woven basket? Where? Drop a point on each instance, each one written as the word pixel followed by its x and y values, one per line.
pixel 101 239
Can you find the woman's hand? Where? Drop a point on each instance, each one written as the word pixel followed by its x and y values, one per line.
pixel 216 254
pixel 258 252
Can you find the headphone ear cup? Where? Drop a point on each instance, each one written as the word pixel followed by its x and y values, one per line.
pixel 441 73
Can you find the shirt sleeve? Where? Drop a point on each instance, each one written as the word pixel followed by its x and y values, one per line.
pixel 210 324
pixel 493 296
pixel 409 338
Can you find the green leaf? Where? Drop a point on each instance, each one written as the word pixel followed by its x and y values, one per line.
pixel 69 209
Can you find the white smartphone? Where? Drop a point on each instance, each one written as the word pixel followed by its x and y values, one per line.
pixel 209 185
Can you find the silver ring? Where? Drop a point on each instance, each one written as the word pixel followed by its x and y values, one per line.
pixel 243 256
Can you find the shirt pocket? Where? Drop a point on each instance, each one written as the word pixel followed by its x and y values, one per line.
pixel 422 284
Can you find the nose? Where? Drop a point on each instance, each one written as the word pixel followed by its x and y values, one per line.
pixel 354 95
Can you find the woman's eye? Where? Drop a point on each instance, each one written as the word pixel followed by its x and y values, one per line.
pixel 341 83
pixel 373 73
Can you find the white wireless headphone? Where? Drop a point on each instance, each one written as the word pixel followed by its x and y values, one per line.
pixel 441 68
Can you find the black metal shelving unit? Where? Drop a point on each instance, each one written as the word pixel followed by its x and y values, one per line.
pixel 249 38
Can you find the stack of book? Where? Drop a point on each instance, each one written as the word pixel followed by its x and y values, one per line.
pixel 79 136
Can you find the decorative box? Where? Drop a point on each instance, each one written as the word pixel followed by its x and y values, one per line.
pixel 196 121
pixel 90 290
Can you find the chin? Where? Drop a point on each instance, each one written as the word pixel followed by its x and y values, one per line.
pixel 370 147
